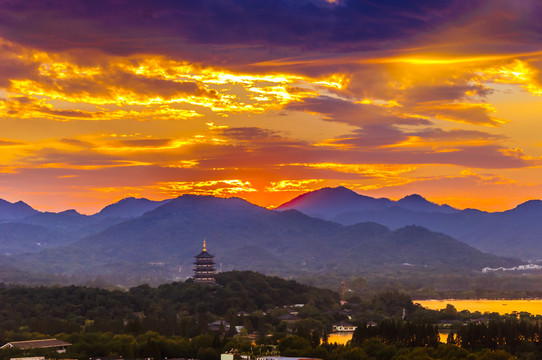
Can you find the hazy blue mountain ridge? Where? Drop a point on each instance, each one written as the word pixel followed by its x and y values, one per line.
pixel 332 203
pixel 144 239
pixel 50 229
pixel 244 236
pixel 516 232
pixel 14 211
pixel 130 207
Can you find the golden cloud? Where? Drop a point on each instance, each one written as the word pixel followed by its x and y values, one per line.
pixel 144 87
pixel 515 72
pixel 220 188
pixel 292 185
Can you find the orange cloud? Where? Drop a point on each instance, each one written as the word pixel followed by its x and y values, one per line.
pixel 380 170
pixel 479 114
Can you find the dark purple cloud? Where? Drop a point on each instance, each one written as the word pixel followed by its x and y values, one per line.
pixel 374 135
pixel 107 85
pixel 4 142
pixel 150 143
pixel 78 143
pixel 79 158
pixel 381 135
pixel 477 114
pixel 250 133
pixel 150 87
pixel 270 155
pixel 444 93
pixel 334 109
pixel 236 26
pixel 435 134
pixel 12 68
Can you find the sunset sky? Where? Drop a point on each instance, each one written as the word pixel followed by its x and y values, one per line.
pixel 265 100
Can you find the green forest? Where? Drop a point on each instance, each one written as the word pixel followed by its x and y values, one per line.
pixel 249 313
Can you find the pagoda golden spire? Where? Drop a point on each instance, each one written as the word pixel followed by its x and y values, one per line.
pixel 204 246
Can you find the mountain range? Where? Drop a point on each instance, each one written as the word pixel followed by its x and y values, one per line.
pixel 516 232
pixel 24 229
pixel 332 230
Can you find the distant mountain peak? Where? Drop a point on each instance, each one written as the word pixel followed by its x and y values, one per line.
pixel 15 211
pixel 529 205
pixel 70 212
pixel 200 197
pixel 329 202
pixel 129 207
pixel 341 189
pixel 419 203
pixel 339 192
pixel 414 197
pixel 196 201
pixel 131 199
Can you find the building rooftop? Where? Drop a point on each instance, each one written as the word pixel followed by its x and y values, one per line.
pixel 343 323
pixel 35 344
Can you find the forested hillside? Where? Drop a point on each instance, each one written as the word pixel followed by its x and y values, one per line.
pixel 169 308
pixel 246 313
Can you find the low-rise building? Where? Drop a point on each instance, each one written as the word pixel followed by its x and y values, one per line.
pixel 343 326
pixel 219 326
pixel 60 346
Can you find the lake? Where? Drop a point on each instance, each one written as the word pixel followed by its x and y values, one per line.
pixel 340 338
pixel 502 307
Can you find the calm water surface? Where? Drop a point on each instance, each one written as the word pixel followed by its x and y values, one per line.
pixel 339 338
pixel 483 305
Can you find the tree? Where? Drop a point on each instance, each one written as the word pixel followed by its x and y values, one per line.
pixel 315 338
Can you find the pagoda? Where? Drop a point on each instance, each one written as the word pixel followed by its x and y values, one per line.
pixel 204 267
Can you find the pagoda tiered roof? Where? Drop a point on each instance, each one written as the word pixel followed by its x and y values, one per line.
pixel 204 254
pixel 204 270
